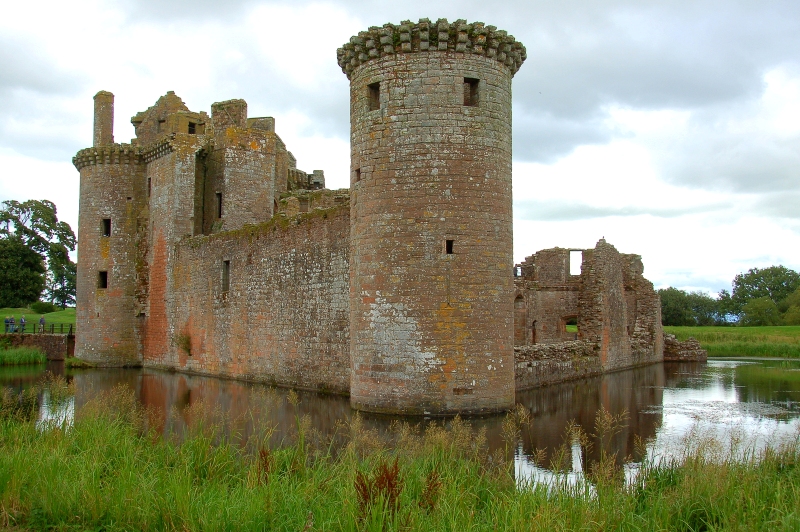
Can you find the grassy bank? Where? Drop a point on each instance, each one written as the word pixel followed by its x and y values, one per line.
pixel 65 317
pixel 108 471
pixel 18 356
pixel 744 341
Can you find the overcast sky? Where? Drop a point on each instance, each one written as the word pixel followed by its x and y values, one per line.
pixel 670 128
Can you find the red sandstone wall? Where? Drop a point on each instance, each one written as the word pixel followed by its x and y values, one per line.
pixel 284 318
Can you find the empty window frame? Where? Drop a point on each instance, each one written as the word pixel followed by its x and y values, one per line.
pixel 149 186
pixel 106 226
pixel 358 175
pixel 102 280
pixel 471 92
pixel 161 125
pixel 219 204
pixel 448 247
pixel 374 96
pixel 575 260
pixel 192 128
pixel 226 275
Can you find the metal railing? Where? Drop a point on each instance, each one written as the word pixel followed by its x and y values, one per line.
pixel 35 328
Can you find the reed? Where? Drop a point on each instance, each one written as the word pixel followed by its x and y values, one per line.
pixel 18 356
pixel 110 470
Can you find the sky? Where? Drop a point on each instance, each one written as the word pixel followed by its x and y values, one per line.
pixel 670 128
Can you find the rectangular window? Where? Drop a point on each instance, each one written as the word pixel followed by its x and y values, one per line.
pixel 161 124
pixel 102 280
pixel 106 226
pixel 575 260
pixel 374 96
pixel 358 175
pixel 471 92
pixel 192 128
pixel 148 187
pixel 226 275
pixel 219 204
pixel 448 247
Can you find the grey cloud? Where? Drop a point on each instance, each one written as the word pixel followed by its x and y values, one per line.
pixel 26 70
pixel 559 211
pixel 782 205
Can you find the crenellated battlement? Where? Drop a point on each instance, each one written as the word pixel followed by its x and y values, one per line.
pixel 424 36
pixel 109 154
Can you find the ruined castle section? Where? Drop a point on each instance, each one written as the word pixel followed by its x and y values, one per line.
pixel 617 312
pixel 111 202
pixel 266 302
pixel 431 266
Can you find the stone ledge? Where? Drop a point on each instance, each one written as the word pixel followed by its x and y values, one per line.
pixel 686 351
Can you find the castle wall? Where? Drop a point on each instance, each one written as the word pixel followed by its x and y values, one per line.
pixel 110 189
pixel 171 174
pixel 431 238
pixel 618 316
pixel 284 315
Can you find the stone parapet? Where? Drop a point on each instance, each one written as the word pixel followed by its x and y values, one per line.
pixel 426 36
pixel 109 154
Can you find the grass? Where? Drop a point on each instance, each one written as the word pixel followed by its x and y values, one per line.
pixel 72 362
pixel 66 317
pixel 109 471
pixel 18 356
pixel 783 342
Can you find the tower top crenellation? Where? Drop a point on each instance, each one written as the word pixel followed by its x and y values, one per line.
pixel 424 36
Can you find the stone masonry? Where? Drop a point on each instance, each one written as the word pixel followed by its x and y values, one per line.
pixel 204 249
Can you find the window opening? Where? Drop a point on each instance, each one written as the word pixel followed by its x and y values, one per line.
pixel 471 92
pixel 374 96
pixel 575 259
pixel 358 175
pixel 148 187
pixel 106 226
pixel 448 247
pixel 161 125
pixel 192 128
pixel 226 275
pixel 517 271
pixel 219 204
pixel 102 280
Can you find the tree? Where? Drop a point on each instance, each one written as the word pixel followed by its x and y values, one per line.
pixel 21 273
pixel 35 225
pixel 760 311
pixel 675 307
pixel 775 282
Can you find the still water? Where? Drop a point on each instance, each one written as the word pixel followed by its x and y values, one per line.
pixel 743 404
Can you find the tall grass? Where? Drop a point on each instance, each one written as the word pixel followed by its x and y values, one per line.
pixel 783 342
pixel 18 356
pixel 108 470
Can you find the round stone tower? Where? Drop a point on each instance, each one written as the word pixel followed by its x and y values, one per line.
pixel 431 279
pixel 111 194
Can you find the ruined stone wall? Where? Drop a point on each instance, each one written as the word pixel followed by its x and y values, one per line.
pixel 284 315
pixel 617 310
pixel 689 350
pixel 431 266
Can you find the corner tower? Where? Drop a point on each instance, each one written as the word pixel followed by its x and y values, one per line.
pixel 431 279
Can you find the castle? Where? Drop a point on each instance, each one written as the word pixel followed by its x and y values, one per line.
pixel 203 248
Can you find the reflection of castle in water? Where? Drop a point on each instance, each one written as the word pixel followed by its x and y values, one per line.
pixel 246 409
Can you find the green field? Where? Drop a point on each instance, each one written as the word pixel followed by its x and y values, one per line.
pixel 66 317
pixel 781 341
pixel 108 471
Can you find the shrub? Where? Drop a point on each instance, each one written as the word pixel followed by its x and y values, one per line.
pixel 43 307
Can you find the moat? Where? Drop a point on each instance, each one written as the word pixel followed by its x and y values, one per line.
pixel 755 401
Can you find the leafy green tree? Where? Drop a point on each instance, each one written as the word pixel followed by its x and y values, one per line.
pixel 21 273
pixel 35 224
pixel 775 282
pixel 792 315
pixel 704 308
pixel 792 300
pixel 760 311
pixel 675 307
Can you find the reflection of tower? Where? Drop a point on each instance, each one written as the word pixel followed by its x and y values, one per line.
pixel 431 287
pixel 106 282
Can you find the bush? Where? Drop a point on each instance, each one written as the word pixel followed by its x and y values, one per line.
pixel 43 307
